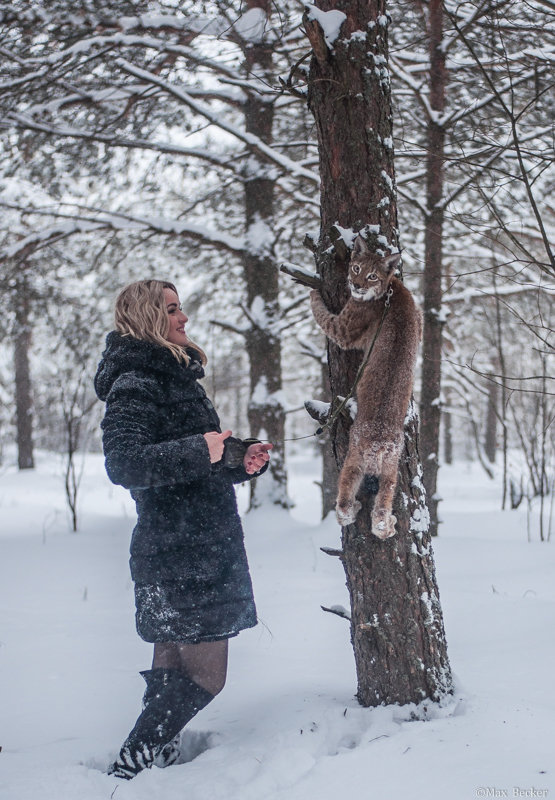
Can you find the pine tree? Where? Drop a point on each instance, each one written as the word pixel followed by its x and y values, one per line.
pixel 396 619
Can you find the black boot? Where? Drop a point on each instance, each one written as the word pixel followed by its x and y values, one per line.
pixel 154 679
pixel 171 700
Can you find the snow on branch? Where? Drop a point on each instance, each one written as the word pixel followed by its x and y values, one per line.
pixel 68 132
pixel 170 22
pixel 475 13
pixel 452 117
pixel 301 275
pixel 415 201
pixel 16 82
pixel 449 119
pixel 499 151
pixel 471 293
pixel 329 21
pixel 339 611
pixel 228 326
pixel 416 86
pixel 39 239
pixel 92 44
pixel 312 350
pixel 509 112
pixel 322 29
pixel 250 26
pixel 68 225
pixel 287 164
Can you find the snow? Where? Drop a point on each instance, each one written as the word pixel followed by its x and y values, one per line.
pixel 287 726
pixel 251 25
pixel 261 397
pixel 420 522
pixel 357 36
pixel 352 408
pixel 387 180
pixel 348 235
pixel 329 21
pixel 260 237
pixel 368 229
pixel 319 407
pixel 199 24
pixel 121 222
pixel 62 228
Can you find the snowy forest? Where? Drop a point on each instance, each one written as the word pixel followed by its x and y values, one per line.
pixel 231 146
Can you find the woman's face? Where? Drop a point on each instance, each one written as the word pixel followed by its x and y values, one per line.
pixel 176 333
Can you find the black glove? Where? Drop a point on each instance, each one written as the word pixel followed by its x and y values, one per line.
pixel 234 451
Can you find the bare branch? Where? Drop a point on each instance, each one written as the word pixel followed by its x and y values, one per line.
pixel 227 326
pixel 513 122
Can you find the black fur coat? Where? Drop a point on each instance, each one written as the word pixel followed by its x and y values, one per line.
pixel 188 531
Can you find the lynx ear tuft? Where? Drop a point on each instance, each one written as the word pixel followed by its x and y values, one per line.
pixel 360 247
pixel 390 262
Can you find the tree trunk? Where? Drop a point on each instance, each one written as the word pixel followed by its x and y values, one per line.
pixel 430 408
pixel 396 620
pixel 23 392
pixel 490 443
pixel 330 473
pixel 447 433
pixel 502 371
pixel 266 412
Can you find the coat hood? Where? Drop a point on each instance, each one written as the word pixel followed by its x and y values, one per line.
pixel 127 354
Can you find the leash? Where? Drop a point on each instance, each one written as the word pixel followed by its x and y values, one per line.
pixel 331 420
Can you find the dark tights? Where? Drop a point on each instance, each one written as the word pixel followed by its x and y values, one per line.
pixel 204 663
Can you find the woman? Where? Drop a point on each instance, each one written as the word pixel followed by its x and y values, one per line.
pixel 162 440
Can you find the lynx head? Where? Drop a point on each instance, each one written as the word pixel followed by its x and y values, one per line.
pixel 369 274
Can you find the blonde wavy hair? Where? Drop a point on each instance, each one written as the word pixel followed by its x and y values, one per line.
pixel 141 312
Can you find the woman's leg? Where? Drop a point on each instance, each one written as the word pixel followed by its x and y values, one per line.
pixel 184 678
pixel 205 663
pixel 166 656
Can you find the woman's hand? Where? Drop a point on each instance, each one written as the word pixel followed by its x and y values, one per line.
pixel 256 456
pixel 215 442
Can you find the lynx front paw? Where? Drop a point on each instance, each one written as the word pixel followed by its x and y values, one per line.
pixel 383 524
pixel 346 513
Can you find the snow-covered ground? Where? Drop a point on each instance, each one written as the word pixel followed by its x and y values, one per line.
pixel 287 725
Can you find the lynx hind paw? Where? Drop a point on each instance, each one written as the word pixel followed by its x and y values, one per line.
pixel 383 525
pixel 346 514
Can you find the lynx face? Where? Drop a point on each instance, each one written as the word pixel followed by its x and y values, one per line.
pixel 369 274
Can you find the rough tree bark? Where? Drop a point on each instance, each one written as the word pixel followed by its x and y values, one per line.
pixel 23 387
pixel 396 620
pixel 430 406
pixel 266 412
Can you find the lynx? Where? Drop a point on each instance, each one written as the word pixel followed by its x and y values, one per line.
pixel 384 389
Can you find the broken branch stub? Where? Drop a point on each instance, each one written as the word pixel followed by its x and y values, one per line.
pixel 302 276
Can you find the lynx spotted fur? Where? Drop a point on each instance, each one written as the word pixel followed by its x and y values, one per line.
pixel 384 390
